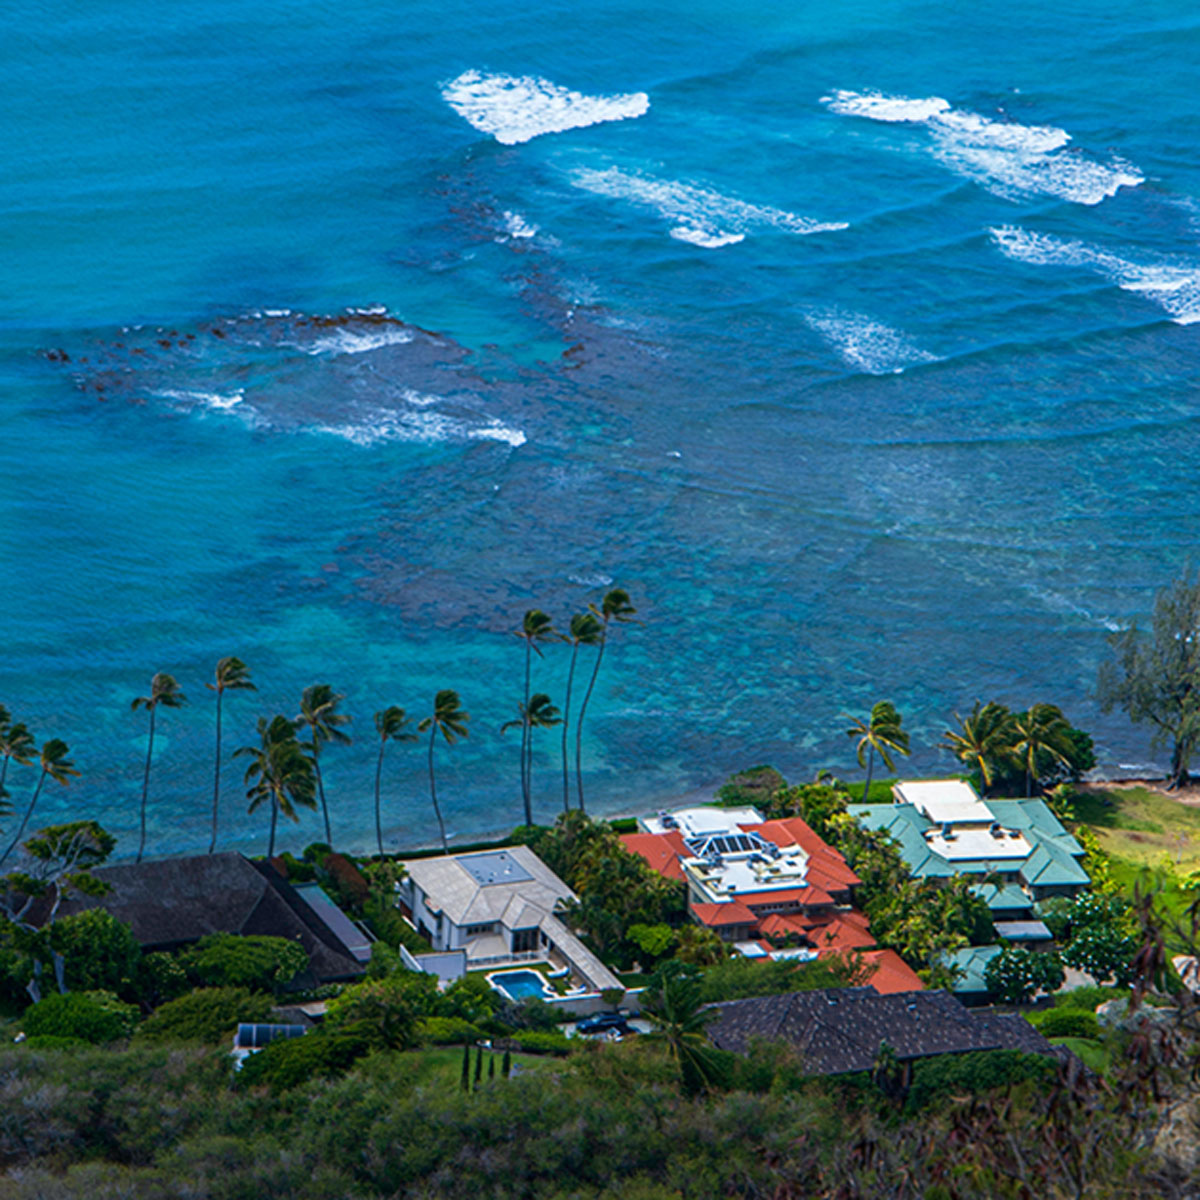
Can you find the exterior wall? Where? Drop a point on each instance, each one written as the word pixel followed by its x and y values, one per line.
pixel 447 966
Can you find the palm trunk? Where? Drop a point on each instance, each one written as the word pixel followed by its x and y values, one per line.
pixel 529 774
pixel 525 729
pixel 565 723
pixel 146 783
pixel 321 790
pixel 433 792
pixel 274 819
pixel 582 711
pixel 25 821
pixel 212 845
pixel 378 773
pixel 870 772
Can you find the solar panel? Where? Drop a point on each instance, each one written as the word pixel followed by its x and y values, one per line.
pixel 254 1036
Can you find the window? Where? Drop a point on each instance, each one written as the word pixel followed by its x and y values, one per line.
pixel 524 940
pixel 476 930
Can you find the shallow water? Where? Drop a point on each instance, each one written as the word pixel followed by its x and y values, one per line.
pixel 858 345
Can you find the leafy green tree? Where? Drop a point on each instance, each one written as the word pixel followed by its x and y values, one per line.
pixel 700 946
pixel 1155 677
pixel 815 803
pixel 386 1009
pixel 96 1017
pixel 1105 951
pixel 244 960
pixel 392 726
pixel 615 608
pixel 100 953
pixel 16 745
pixel 208 1016
pixel 755 786
pixel 982 741
pixel 280 773
pixel 449 718
pixel 1044 731
pixel 586 630
pixel 166 692
pixel 1016 975
pixel 55 765
pixel 319 715
pixel 883 734
pixel 536 629
pixel 231 675
pixel 539 713
pixel 294 1062
pixel 654 942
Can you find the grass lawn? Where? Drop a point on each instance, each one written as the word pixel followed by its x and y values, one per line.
pixel 1093 1053
pixel 1141 826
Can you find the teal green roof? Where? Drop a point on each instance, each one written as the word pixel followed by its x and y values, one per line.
pixel 1002 897
pixel 971 961
pixel 1050 866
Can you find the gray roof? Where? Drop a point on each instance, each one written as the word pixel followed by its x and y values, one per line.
pixel 838 1030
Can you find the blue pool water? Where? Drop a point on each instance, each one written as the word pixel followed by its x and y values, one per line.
pixel 859 343
pixel 519 985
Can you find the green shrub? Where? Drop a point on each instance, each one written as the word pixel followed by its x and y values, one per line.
pixel 207 1016
pixel 446 1031
pixel 1016 974
pixel 1068 1022
pixel 161 977
pixel 389 926
pixel 388 1007
pixel 322 1054
pixel 229 960
pixel 978 1071
pixel 535 1042
pixel 471 997
pixel 50 1041
pixel 99 952
pixel 96 1017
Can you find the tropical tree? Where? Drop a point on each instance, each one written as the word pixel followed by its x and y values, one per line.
pixel 586 630
pixel 538 713
pixel 881 734
pixel 318 714
pixel 16 745
pixel 616 607
pixel 280 773
pixel 1043 730
pixel 231 675
pixel 449 717
pixel 1155 676
pixel 165 691
pixel 673 1004
pixel 982 741
pixel 55 765
pixel 536 629
pixel 392 726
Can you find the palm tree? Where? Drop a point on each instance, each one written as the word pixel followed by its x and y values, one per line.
pixel 231 675
pixel 585 631
pixel 614 607
pixel 881 734
pixel 674 1006
pixel 1043 729
pixel 280 772
pixel 165 691
pixel 16 745
pixel 318 713
pixel 452 721
pixel 57 766
pixel 390 725
pixel 539 713
pixel 983 739
pixel 535 628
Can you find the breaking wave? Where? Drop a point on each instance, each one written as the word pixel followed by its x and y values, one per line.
pixel 866 344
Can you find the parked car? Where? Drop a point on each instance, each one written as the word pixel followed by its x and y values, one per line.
pixel 603 1022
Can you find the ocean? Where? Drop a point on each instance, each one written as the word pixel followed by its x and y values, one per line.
pixel 858 343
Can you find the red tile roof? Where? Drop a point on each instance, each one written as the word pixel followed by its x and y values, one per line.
pixel 794 831
pixel 661 851
pixel 891 973
pixel 808 896
pixel 732 913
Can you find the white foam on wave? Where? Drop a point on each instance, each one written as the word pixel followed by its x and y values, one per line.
pixel 358 341
pixel 1174 287
pixel 514 109
pixel 217 401
pixel 1008 158
pixel 698 215
pixel 386 425
pixel 866 344
pixel 516 226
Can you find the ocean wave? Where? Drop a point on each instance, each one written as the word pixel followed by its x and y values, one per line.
pixel 1006 157
pixel 698 215
pixel 344 340
pixel 516 226
pixel 866 344
pixel 217 401
pixel 514 109
pixel 1174 287
pixel 387 425
pixel 594 580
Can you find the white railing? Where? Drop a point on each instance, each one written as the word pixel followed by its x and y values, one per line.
pixel 518 956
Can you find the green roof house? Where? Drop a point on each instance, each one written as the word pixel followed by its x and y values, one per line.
pixel 944 828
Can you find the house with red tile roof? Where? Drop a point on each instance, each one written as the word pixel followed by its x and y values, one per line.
pixel 769 888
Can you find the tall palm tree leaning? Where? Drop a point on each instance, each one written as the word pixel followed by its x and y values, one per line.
pixel 539 713
pixel 165 691
pixel 391 725
pixel 449 717
pixel 280 773
pixel 231 675
pixel 614 607
pixel 55 765
pixel 882 734
pixel 1043 729
pixel 318 713
pixel 535 629
pixel 585 631
pixel 16 745
pixel 982 739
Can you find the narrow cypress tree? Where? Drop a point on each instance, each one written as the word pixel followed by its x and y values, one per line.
pixel 491 1067
pixel 478 1065
pixel 506 1064
pixel 466 1067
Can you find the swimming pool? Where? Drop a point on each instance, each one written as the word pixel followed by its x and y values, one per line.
pixel 520 985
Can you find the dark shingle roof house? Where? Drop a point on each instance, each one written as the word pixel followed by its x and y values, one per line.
pixel 838 1030
pixel 172 902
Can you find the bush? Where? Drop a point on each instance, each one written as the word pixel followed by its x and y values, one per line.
pixel 50 1041
pixel 161 977
pixel 1016 974
pixel 446 1031
pixel 1104 952
pixel 208 1016
pixel 530 1013
pixel 229 960
pixel 99 952
pixel 323 1054
pixel 389 1007
pixel 389 926
pixel 535 1042
pixel 1068 1022
pixel 96 1017
pixel 754 786
pixel 472 998
pixel 978 1071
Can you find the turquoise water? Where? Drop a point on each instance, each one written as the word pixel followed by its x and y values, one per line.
pixel 519 985
pixel 859 350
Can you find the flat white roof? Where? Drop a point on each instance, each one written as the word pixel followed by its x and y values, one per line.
pixel 971 843
pixel 946 801
pixel 702 821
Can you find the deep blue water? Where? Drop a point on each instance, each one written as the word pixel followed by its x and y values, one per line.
pixel 859 351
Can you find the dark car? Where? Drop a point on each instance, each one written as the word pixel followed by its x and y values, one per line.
pixel 603 1022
